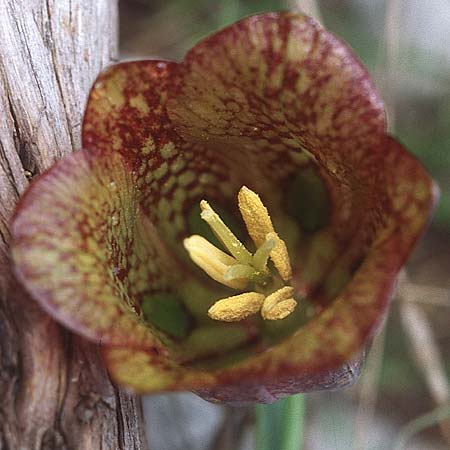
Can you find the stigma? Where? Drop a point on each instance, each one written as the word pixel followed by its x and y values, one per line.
pixel 266 290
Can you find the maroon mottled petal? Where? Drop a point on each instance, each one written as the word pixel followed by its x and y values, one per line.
pixel 274 93
pixel 74 239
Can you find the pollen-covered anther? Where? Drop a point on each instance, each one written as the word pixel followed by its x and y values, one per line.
pixel 237 307
pixel 260 228
pixel 213 261
pixel 255 215
pixel 280 256
pixel 279 304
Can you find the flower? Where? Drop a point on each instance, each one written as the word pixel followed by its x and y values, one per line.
pixel 273 102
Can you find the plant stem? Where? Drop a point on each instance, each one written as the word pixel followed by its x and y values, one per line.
pixel 281 425
pixel 293 423
pixel 263 421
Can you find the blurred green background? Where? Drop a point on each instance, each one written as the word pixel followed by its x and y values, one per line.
pixel 406 46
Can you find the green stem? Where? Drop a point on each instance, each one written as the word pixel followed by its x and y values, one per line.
pixel 280 425
pixel 293 423
pixel 263 427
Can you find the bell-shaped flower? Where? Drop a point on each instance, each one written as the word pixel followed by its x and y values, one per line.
pixel 234 223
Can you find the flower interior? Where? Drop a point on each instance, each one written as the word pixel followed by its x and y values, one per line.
pixel 254 282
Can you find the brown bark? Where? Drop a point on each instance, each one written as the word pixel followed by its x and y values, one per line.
pixel 54 391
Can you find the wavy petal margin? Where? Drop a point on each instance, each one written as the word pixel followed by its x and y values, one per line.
pixel 74 231
pixel 254 104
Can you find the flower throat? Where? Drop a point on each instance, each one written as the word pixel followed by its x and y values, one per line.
pixel 266 291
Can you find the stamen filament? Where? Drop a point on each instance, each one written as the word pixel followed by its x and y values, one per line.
pixel 239 271
pixel 262 254
pixel 224 234
pixel 250 273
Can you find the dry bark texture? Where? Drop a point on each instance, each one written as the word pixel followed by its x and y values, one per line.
pixel 54 391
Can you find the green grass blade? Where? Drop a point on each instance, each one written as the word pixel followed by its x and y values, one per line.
pixel 280 426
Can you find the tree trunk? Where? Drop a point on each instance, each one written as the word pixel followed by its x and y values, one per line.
pixel 54 391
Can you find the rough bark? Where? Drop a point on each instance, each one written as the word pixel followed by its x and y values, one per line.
pixel 54 391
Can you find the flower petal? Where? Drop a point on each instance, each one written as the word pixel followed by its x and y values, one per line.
pixel 270 72
pixel 76 251
pixel 126 113
pixel 125 110
pixel 279 95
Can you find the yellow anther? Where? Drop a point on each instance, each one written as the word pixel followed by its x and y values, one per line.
pixel 279 304
pixel 238 307
pixel 213 261
pixel 255 215
pixel 280 257
pixel 282 310
pixel 260 228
